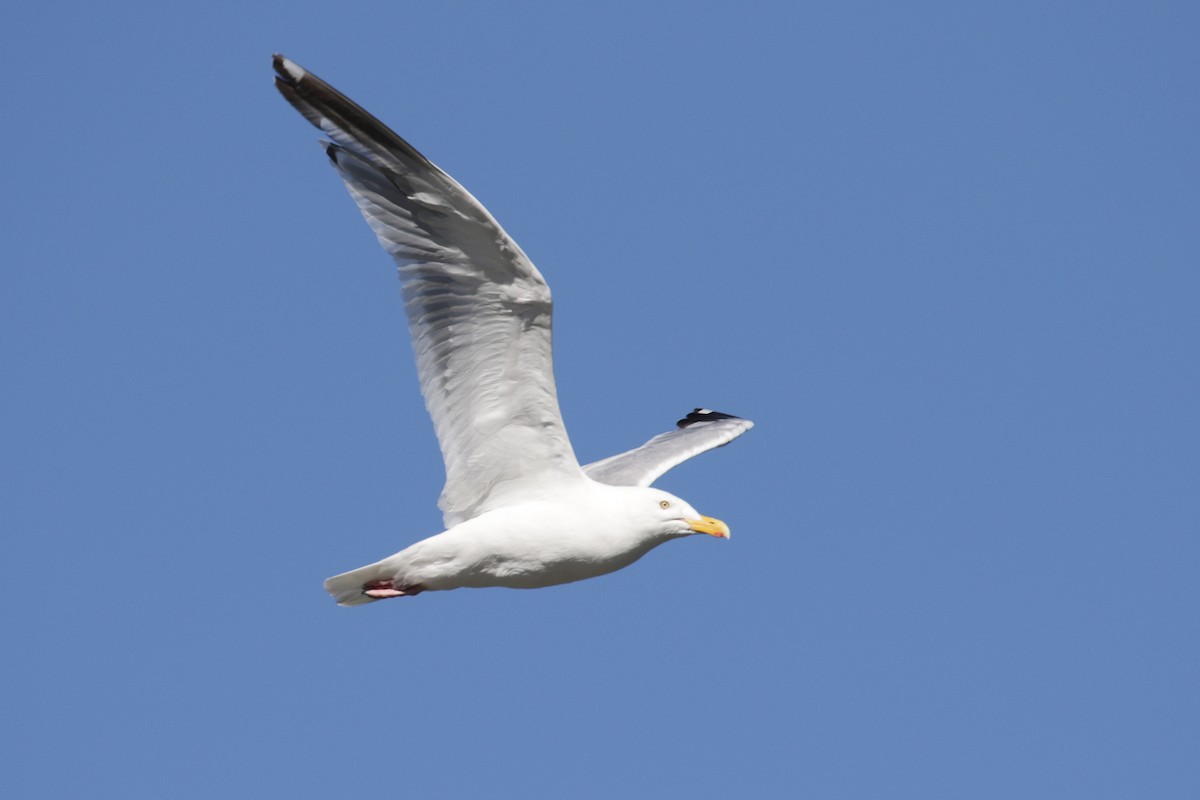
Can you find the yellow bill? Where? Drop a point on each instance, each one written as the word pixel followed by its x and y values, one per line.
pixel 713 527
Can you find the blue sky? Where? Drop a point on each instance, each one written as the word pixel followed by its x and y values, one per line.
pixel 945 255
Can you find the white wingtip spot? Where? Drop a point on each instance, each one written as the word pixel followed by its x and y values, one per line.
pixel 293 70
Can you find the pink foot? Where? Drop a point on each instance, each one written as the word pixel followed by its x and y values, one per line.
pixel 383 589
pixel 380 594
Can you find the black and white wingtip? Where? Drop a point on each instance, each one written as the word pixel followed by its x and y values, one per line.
pixel 348 124
pixel 286 70
pixel 706 415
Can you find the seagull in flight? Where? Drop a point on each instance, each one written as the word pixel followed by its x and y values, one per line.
pixel 519 510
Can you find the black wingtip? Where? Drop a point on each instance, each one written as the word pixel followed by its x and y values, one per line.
pixel 286 82
pixel 323 106
pixel 703 415
pixel 282 74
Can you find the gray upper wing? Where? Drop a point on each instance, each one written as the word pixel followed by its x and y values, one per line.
pixel 478 310
pixel 699 431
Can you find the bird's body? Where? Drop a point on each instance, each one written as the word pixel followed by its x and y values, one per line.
pixel 582 533
pixel 519 510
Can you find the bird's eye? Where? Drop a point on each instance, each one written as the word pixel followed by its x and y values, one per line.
pixel 664 503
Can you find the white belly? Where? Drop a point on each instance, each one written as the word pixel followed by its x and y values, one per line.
pixel 524 547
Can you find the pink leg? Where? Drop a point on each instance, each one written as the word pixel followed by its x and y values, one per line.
pixel 383 589
pixel 380 594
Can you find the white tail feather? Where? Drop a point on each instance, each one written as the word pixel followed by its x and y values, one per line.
pixel 347 588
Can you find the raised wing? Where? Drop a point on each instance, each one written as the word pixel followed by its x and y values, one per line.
pixel 478 310
pixel 699 431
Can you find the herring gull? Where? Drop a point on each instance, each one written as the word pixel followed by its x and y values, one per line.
pixel 518 508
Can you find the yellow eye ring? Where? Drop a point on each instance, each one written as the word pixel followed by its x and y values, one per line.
pixel 664 504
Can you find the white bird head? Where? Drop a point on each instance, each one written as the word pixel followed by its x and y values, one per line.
pixel 664 514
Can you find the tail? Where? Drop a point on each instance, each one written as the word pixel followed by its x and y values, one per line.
pixel 364 585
